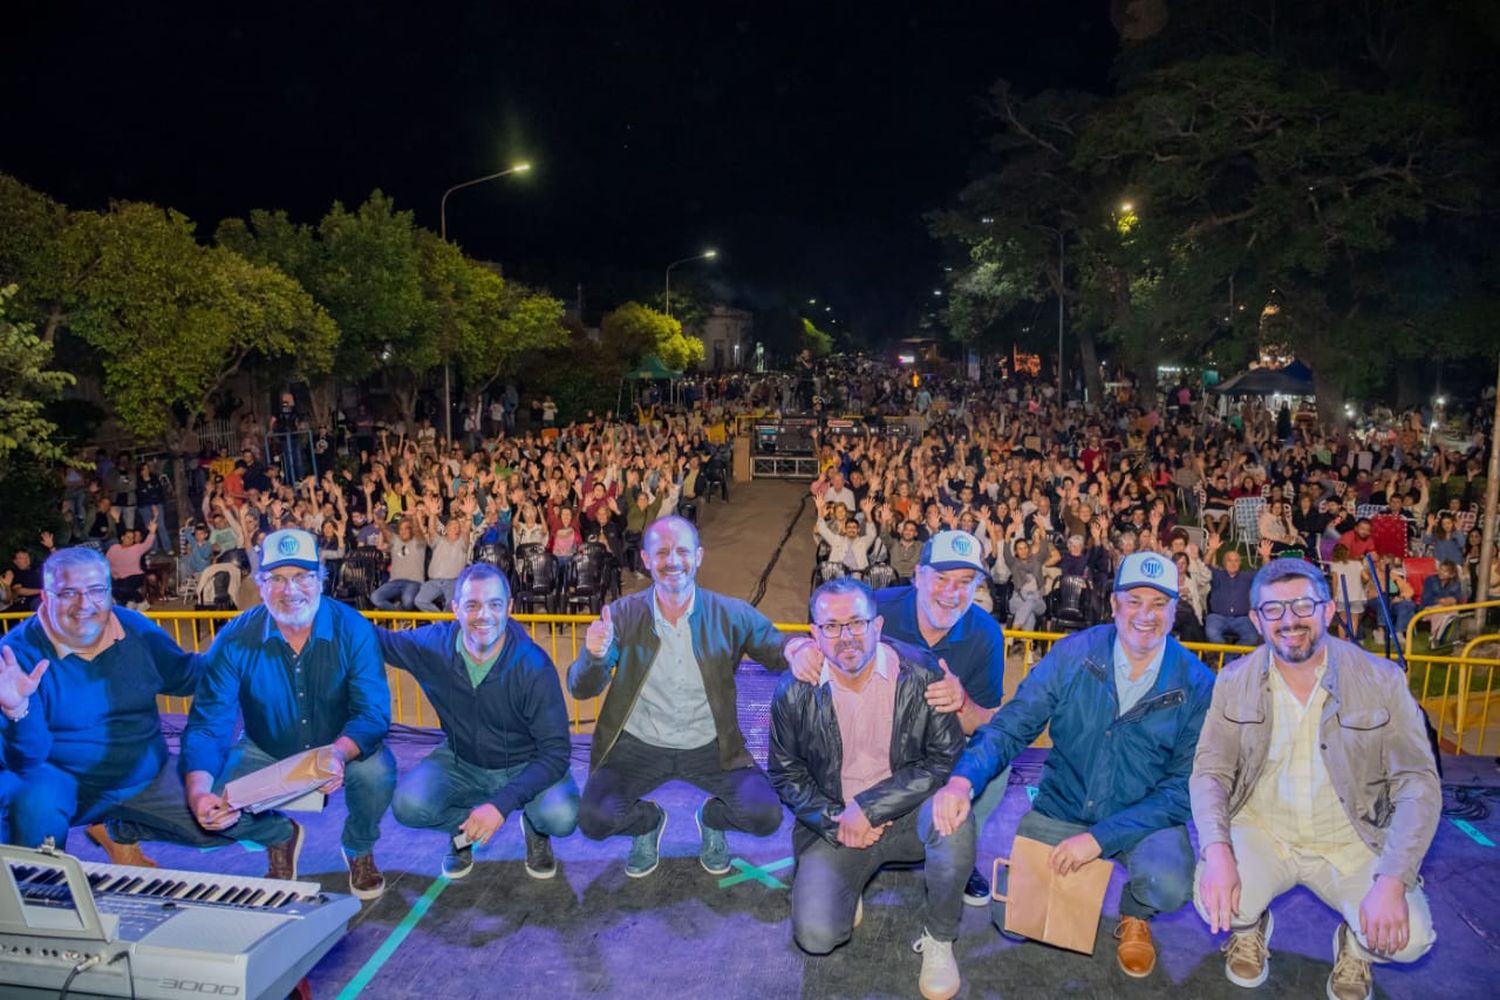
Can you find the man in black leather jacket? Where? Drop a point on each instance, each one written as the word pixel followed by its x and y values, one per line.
pixel 856 758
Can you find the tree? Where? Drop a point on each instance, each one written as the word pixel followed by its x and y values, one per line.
pixel 815 341
pixel 44 251
pixel 172 320
pixel 633 331
pixel 523 320
pixel 26 385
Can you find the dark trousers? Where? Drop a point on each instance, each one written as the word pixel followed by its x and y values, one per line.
pixel 831 878
pixel 742 797
pixel 161 813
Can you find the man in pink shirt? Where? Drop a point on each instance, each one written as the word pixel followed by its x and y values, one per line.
pixel 125 565
pixel 856 759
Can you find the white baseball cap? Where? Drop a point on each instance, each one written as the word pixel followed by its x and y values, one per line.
pixel 1147 569
pixel 289 547
pixel 952 550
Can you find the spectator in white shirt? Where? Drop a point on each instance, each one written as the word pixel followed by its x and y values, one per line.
pixel 450 554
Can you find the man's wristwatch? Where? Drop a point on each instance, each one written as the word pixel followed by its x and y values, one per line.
pixel 17 714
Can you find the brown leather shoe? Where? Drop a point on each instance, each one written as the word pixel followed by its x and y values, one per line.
pixel 281 860
pixel 365 880
pixel 119 854
pixel 1136 953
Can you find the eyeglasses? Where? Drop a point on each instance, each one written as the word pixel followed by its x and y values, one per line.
pixel 302 581
pixel 833 630
pixel 72 595
pixel 1302 607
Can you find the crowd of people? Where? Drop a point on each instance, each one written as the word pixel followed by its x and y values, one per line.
pixel 1057 495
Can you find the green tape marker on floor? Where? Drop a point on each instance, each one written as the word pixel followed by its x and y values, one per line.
pixel 749 873
pixel 1473 833
pixel 1031 791
pixel 388 947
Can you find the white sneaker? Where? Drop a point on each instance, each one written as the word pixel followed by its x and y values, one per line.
pixel 940 979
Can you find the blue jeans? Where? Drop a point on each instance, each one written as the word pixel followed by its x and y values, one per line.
pixel 1401 616
pixel 986 801
pixel 439 793
pixel 428 594
pixel 396 595
pixel 1215 627
pixel 831 878
pixel 1160 867
pixel 161 812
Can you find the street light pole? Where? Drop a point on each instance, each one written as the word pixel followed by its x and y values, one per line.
pixel 667 288
pixel 519 168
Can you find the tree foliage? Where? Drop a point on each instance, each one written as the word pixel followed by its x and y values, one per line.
pixel 1295 156
pixel 27 384
pixel 634 331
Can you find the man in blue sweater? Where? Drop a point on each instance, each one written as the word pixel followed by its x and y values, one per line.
pixel 500 703
pixel 1124 703
pixel 78 685
pixel 304 673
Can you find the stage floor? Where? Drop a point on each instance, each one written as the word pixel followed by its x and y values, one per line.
pixel 593 932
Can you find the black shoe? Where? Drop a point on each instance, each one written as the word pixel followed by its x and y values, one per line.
pixel 458 862
pixel 540 862
pixel 977 891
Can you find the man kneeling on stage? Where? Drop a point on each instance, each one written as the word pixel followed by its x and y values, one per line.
pixel 501 706
pixel 856 758
pixel 1124 703
pixel 1314 769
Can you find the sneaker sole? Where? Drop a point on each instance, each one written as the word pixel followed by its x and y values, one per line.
pixel 364 894
pixel 453 876
pixel 698 819
pixel 976 900
pixel 660 832
pixel 1265 971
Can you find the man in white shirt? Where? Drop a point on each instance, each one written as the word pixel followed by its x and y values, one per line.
pixel 450 554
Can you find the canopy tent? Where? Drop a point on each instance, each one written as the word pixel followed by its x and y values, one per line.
pixel 1296 379
pixel 650 369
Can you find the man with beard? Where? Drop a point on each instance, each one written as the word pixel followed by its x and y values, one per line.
pixel 1124 702
pixel 856 759
pixel 304 673
pixel 499 702
pixel 668 655
pixel 937 614
pixel 78 687
pixel 1314 769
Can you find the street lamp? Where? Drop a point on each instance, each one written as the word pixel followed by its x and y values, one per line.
pixel 519 168
pixel 667 290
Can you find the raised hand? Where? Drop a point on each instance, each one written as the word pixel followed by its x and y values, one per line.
pixel 600 635
pixel 16 685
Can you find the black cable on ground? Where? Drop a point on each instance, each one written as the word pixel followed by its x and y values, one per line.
pixel 760 585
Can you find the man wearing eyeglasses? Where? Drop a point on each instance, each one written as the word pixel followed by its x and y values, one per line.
pixel 856 758
pixel 78 687
pixel 1313 768
pixel 304 673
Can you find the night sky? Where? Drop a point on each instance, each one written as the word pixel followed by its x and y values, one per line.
pixel 802 141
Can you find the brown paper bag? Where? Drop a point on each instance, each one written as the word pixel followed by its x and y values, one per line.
pixel 1061 910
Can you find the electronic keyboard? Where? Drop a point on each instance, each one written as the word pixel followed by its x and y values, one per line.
pixel 122 931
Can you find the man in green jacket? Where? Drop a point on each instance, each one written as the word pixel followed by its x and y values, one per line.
pixel 668 655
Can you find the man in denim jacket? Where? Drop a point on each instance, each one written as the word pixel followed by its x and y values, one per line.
pixel 1124 702
pixel 1314 768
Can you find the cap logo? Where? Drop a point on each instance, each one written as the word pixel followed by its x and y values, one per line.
pixel 287 546
pixel 962 546
pixel 1151 568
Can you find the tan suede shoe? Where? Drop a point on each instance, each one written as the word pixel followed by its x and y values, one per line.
pixel 119 854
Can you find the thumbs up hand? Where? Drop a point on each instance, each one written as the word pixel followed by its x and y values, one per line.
pixel 601 635
pixel 946 695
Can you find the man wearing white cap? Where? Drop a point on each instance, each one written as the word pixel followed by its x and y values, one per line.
pixel 304 673
pixel 1124 702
